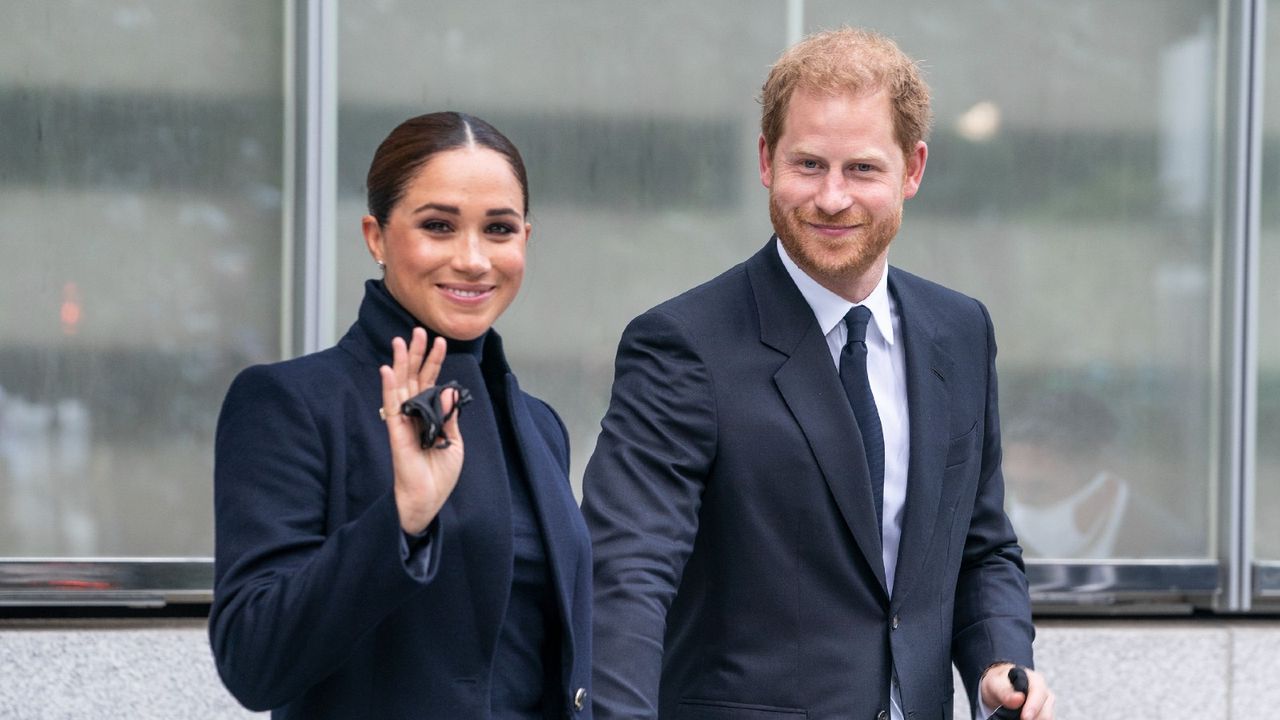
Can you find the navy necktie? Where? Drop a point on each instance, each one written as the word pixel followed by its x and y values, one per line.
pixel 853 375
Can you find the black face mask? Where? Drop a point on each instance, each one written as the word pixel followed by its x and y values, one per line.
pixel 427 413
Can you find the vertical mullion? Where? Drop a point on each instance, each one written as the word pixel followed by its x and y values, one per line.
pixel 1252 177
pixel 795 21
pixel 318 123
pixel 1238 328
pixel 289 180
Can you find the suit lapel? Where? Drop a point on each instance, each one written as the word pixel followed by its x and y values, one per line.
pixel 810 385
pixel 928 367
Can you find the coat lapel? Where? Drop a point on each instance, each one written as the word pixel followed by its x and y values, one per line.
pixel 553 504
pixel 481 502
pixel 928 367
pixel 810 385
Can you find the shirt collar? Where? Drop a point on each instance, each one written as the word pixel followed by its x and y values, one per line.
pixel 830 309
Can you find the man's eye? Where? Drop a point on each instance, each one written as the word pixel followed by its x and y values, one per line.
pixel 809 164
pixel 863 167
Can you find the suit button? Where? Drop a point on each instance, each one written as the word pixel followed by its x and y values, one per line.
pixel 894 623
pixel 882 715
pixel 580 699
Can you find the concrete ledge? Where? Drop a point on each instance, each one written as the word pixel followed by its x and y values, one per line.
pixel 1120 669
pixel 111 669
pixel 1223 669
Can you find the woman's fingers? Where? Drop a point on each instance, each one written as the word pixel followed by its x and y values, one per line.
pixel 390 392
pixel 417 348
pixel 430 369
pixel 395 378
pixel 415 368
pixel 400 365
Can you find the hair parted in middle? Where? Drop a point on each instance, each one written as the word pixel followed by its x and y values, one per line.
pixel 415 141
pixel 849 60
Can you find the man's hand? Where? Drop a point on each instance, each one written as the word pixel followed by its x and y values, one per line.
pixel 996 690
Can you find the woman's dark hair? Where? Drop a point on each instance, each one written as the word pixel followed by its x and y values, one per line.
pixel 417 140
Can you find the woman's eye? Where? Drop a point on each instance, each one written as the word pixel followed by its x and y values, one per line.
pixel 499 229
pixel 436 226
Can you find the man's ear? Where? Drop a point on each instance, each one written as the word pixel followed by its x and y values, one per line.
pixel 766 163
pixel 915 170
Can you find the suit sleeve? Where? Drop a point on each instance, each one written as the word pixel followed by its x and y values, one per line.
pixel 992 621
pixel 641 494
pixel 292 597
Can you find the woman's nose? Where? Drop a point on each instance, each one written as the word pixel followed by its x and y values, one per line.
pixel 470 257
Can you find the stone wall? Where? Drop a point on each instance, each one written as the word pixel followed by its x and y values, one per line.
pixel 1224 669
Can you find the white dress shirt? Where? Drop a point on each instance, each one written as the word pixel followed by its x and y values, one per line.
pixel 887 373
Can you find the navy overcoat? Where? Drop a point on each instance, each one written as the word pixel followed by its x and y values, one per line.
pixel 320 609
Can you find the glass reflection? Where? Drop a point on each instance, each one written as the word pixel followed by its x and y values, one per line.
pixel 638 125
pixel 1071 187
pixel 1267 508
pixel 141 175
pixel 1076 144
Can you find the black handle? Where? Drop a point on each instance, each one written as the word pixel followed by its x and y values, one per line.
pixel 1017 676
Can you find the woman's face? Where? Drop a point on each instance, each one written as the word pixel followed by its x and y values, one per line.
pixel 454 244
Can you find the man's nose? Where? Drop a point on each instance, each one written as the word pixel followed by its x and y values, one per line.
pixel 834 197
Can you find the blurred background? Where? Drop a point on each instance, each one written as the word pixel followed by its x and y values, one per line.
pixel 178 205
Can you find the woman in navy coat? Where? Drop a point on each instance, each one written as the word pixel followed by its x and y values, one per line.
pixel 359 575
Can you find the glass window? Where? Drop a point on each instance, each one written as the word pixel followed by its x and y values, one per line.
pixel 638 124
pixel 1071 186
pixel 1074 185
pixel 1267 507
pixel 140 183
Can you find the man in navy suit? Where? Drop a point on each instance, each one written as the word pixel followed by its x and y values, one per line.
pixel 796 502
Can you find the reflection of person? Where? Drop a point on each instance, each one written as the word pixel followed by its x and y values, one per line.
pixel 740 572
pixel 45 456
pixel 1064 502
pixel 1056 517
pixel 359 575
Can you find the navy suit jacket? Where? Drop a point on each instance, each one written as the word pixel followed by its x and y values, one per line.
pixel 319 610
pixel 738 570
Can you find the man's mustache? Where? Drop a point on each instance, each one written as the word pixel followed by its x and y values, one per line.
pixel 846 218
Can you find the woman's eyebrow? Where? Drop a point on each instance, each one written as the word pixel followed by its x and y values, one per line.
pixel 452 209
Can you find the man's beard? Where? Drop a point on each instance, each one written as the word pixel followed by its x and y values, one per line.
pixel 852 261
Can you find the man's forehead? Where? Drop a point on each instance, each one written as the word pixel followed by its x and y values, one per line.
pixel 838 113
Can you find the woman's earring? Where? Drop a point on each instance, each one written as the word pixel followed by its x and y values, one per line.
pixel 381 265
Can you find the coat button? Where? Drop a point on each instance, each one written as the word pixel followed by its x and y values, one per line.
pixel 882 715
pixel 894 624
pixel 580 699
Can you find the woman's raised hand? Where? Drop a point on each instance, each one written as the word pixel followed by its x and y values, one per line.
pixel 424 478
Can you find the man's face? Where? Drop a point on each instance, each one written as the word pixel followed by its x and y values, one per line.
pixel 837 180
